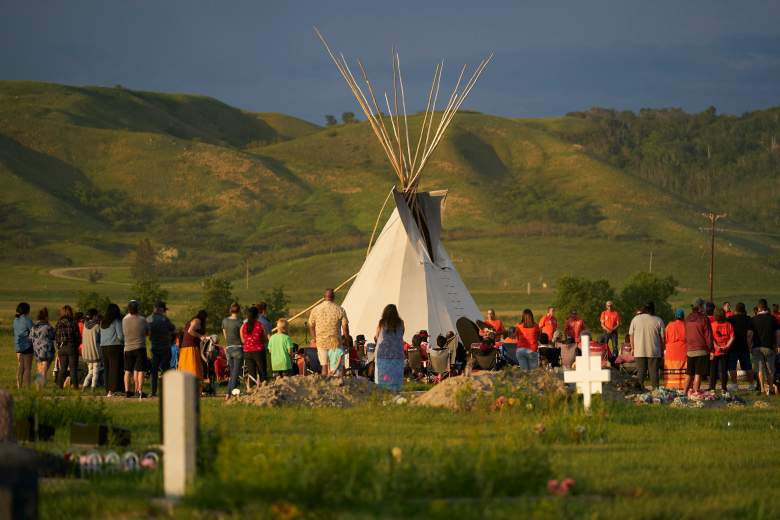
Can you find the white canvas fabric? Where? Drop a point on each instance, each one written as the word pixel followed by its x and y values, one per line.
pixel 428 292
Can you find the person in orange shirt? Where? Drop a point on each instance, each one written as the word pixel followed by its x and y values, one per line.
pixel 527 340
pixel 574 327
pixel 610 321
pixel 727 310
pixel 548 324
pixel 497 325
pixel 675 352
pixel 722 337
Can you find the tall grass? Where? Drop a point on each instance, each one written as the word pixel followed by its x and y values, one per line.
pixel 339 472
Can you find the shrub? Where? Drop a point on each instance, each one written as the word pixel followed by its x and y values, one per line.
pixel 586 296
pixel 217 297
pixel 92 300
pixel 646 287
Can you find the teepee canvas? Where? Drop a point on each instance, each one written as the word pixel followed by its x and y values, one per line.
pixel 408 265
pixel 403 270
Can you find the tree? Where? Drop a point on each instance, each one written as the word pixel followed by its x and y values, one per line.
pixel 217 297
pixel 145 263
pixel 147 292
pixel 277 303
pixel 92 300
pixel 646 287
pixel 330 120
pixel 586 297
pixel 94 276
pixel 348 117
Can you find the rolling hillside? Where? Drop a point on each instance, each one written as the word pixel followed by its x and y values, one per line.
pixel 87 171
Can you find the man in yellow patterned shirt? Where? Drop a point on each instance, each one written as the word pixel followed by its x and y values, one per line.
pixel 328 325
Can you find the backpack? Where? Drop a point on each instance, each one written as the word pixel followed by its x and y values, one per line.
pixel 41 336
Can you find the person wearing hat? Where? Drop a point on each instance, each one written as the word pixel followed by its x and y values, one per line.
pixel 698 346
pixel 135 329
pixel 574 327
pixel 610 322
pixel 675 353
pixel 161 332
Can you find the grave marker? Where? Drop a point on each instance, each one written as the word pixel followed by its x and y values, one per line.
pixel 588 375
pixel 7 431
pixel 180 432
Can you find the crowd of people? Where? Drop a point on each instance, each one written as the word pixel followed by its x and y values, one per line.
pixel 707 342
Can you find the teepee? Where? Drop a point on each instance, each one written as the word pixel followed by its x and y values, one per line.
pixel 408 265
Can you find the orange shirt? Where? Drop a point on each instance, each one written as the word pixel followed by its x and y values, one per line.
pixel 528 337
pixel 574 328
pixel 675 341
pixel 549 325
pixel 610 319
pixel 722 333
pixel 498 325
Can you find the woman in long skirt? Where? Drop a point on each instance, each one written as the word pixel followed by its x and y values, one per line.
pixel 189 352
pixel 389 339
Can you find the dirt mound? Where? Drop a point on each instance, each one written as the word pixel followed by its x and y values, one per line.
pixel 311 391
pixel 466 392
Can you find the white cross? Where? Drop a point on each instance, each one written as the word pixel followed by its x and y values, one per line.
pixel 588 375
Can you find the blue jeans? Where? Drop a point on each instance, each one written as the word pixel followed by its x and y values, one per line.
pixel 235 359
pixel 527 359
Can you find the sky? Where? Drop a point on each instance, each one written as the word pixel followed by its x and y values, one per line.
pixel 551 57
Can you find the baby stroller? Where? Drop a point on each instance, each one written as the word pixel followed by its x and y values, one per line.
pixel 209 351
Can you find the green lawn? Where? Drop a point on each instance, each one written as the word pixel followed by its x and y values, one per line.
pixel 627 461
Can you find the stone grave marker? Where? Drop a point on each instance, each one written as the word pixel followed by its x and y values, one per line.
pixel 180 432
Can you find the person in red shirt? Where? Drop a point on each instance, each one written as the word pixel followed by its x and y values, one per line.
pixel 776 312
pixel 610 322
pixel 527 341
pixel 722 338
pixel 727 310
pixel 548 324
pixel 698 344
pixel 255 341
pixel 496 325
pixel 574 327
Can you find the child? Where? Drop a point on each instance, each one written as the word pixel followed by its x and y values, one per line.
pixel 90 349
pixel 281 347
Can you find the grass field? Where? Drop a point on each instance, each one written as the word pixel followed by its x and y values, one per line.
pixel 627 461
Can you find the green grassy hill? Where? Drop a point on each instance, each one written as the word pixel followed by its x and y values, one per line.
pixel 88 171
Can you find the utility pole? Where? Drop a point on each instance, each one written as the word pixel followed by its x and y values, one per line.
pixel 712 217
pixel 651 262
